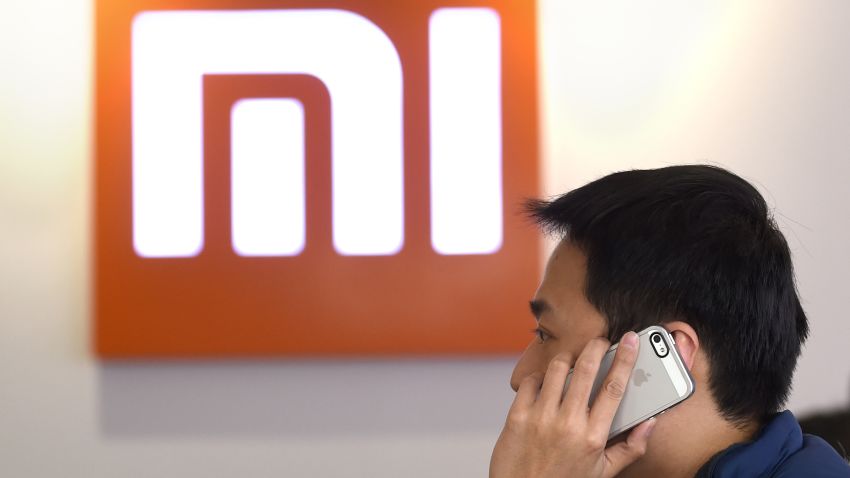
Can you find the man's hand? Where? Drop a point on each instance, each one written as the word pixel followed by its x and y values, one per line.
pixel 545 436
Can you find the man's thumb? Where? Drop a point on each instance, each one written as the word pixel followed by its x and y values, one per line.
pixel 627 452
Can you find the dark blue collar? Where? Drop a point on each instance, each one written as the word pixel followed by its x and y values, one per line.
pixel 779 438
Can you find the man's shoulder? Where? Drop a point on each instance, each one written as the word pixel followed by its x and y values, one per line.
pixel 814 459
pixel 780 450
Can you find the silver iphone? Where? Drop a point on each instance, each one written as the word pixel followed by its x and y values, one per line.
pixel 659 380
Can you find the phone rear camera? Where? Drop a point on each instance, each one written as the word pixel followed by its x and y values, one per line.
pixel 659 344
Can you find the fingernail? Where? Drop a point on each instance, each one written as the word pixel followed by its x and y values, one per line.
pixel 650 427
pixel 630 339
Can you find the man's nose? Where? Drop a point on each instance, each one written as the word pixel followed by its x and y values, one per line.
pixel 514 382
pixel 525 366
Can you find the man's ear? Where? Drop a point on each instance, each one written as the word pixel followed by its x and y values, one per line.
pixel 686 339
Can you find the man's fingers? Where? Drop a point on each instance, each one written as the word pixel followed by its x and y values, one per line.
pixel 627 452
pixel 584 374
pixel 613 386
pixel 553 383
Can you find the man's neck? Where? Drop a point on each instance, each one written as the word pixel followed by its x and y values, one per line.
pixel 685 438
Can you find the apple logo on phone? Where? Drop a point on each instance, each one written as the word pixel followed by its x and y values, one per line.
pixel 641 377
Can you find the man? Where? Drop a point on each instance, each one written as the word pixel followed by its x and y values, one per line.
pixel 694 249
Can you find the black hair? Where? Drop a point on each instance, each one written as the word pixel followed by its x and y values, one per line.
pixel 699 244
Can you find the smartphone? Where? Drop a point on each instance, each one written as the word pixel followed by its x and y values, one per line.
pixel 658 381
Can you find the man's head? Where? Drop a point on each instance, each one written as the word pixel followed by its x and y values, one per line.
pixel 689 245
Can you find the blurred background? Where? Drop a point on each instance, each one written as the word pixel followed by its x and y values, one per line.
pixel 760 87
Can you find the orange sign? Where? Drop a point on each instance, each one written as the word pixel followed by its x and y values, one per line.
pixel 314 178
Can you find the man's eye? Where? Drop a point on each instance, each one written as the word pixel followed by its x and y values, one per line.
pixel 541 334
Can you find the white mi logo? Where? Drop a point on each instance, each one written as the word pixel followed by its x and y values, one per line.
pixel 361 69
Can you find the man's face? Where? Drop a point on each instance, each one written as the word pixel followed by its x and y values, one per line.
pixel 566 320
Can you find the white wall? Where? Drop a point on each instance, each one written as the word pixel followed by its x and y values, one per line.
pixel 761 87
